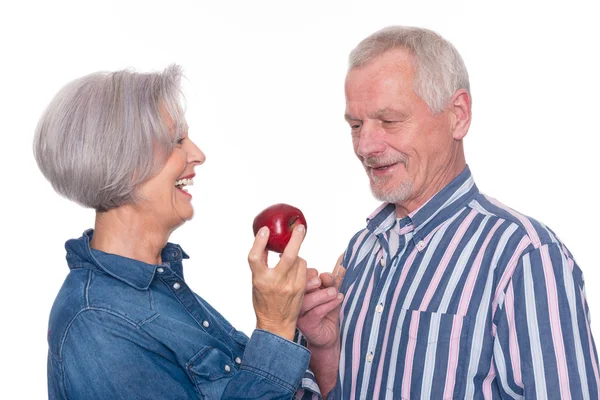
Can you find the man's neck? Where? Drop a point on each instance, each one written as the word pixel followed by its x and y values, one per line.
pixel 429 190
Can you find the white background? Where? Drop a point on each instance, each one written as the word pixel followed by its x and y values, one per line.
pixel 265 102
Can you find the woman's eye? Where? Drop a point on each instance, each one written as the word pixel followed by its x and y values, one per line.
pixel 180 141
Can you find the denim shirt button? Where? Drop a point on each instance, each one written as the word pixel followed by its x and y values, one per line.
pixel 205 324
pixel 175 253
pixel 227 368
pixel 238 360
pixel 160 270
pixel 176 285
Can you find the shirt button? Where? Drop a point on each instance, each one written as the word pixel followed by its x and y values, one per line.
pixel 238 360
pixel 227 368
pixel 175 253
pixel 369 357
pixel 205 324
pixel 421 245
pixel 160 270
pixel 383 262
pixel 379 308
pixel 176 285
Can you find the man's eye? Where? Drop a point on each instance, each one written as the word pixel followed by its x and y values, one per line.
pixel 389 122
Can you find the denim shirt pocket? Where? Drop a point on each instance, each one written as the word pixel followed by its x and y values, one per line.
pixel 210 370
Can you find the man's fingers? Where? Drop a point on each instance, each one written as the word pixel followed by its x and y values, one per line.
pixel 324 309
pixel 317 298
pixel 257 257
pixel 338 265
pixel 338 272
pixel 312 280
pixel 327 279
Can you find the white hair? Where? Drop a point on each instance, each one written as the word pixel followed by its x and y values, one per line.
pixel 105 133
pixel 440 70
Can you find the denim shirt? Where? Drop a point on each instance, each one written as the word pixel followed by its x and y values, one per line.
pixel 123 329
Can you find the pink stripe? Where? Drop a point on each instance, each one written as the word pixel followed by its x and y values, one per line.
pixel 358 242
pixel 357 336
pixel 453 357
pixel 554 314
pixel 471 279
pixel 508 272
pixel 406 268
pixel 410 354
pixel 590 342
pixel 406 229
pixel 515 355
pixel 531 232
pixel 487 382
pixel 433 285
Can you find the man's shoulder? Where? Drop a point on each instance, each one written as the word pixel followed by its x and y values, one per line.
pixel 536 232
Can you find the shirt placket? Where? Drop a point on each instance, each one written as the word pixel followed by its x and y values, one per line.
pixel 387 263
pixel 193 306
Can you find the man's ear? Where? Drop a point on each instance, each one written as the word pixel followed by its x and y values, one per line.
pixel 460 107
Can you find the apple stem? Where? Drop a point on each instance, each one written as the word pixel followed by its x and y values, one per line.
pixel 293 221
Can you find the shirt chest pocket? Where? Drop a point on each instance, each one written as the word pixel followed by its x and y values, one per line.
pixel 210 369
pixel 433 356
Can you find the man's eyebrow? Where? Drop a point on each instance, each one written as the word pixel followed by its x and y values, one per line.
pixel 349 117
pixel 388 111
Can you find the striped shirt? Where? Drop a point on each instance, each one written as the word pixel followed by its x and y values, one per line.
pixel 464 298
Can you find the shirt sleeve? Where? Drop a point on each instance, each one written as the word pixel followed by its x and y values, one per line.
pixel 543 345
pixel 309 389
pixel 272 368
pixel 105 356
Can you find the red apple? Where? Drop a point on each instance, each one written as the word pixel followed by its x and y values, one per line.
pixel 281 220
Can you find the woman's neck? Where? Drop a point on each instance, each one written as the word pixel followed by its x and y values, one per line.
pixel 127 233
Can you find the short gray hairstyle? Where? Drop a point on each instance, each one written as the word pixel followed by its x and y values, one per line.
pixel 439 68
pixel 105 133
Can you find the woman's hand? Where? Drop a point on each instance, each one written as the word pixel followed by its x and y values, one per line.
pixel 277 292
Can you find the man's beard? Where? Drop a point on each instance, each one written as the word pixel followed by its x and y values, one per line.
pixel 391 195
pixel 395 194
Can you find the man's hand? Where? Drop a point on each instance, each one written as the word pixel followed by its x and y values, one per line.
pixel 319 322
pixel 319 315
pixel 277 292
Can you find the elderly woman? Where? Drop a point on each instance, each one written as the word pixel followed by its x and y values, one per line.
pixel 125 324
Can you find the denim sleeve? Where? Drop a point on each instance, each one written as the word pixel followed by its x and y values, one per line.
pixel 105 356
pixel 273 368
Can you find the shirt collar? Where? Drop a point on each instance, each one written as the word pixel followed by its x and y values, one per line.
pixel 426 218
pixel 133 272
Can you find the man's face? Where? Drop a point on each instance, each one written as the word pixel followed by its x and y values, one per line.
pixel 402 145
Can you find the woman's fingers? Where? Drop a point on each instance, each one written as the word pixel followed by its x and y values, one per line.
pixel 257 258
pixel 290 253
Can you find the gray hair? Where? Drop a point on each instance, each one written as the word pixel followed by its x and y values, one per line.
pixel 439 68
pixel 105 133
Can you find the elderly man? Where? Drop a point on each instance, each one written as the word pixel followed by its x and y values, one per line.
pixel 448 293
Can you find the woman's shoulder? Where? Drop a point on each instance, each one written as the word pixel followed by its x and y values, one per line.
pixel 86 290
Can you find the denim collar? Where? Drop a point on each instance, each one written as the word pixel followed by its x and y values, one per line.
pixel 459 192
pixel 133 272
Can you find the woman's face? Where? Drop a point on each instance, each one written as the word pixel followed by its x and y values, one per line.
pixel 164 196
